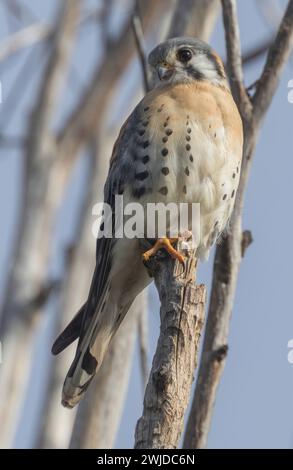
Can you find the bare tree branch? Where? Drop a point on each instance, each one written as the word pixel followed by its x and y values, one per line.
pixel 194 18
pixel 182 315
pixel 234 55
pixel 277 57
pixel 143 343
pixel 139 41
pixel 24 38
pixel 229 252
pixel 30 264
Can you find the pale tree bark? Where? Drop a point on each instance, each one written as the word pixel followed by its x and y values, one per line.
pixel 194 18
pixel 169 385
pixel 27 278
pixel 229 253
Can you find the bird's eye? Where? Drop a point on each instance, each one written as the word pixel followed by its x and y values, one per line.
pixel 184 55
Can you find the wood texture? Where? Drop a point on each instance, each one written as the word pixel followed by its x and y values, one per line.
pixel 171 376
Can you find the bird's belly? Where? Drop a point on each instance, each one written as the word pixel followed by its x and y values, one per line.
pixel 188 162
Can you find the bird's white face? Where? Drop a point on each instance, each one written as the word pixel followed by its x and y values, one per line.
pixel 183 60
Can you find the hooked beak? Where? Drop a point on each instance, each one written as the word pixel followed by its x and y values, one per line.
pixel 165 72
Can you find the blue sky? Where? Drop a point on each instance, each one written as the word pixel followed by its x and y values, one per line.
pixel 254 405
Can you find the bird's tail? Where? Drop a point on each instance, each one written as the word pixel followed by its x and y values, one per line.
pixel 91 351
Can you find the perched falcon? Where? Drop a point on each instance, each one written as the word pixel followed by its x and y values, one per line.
pixel 182 143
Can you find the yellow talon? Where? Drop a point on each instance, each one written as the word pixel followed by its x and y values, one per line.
pixel 165 243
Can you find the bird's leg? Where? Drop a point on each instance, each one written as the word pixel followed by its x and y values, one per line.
pixel 165 243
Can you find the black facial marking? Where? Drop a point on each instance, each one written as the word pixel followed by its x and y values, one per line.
pixel 138 192
pixel 196 74
pixel 165 170
pixel 145 159
pixel 142 175
pixel 165 152
pixel 164 190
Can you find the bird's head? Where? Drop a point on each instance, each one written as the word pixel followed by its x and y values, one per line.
pixel 183 60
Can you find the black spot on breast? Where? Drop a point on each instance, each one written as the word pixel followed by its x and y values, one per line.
pixel 188 138
pixel 216 223
pixel 184 189
pixel 188 147
pixel 233 193
pixel 163 190
pixel 145 159
pixel 147 108
pixel 89 363
pixel 186 171
pixel 234 175
pixel 142 175
pixel 165 139
pixel 164 152
pixel 145 144
pixel 138 192
pixel 141 132
pixel 215 135
pixel 165 170
pixel 191 158
pixel 169 131
pixel 189 130
pixel 145 123
pixel 224 197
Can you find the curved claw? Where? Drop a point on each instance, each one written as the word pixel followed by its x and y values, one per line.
pixel 166 244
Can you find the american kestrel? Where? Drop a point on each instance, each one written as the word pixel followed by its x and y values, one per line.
pixel 182 143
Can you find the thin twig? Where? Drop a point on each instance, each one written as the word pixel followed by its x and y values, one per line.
pixel 139 41
pixel 234 61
